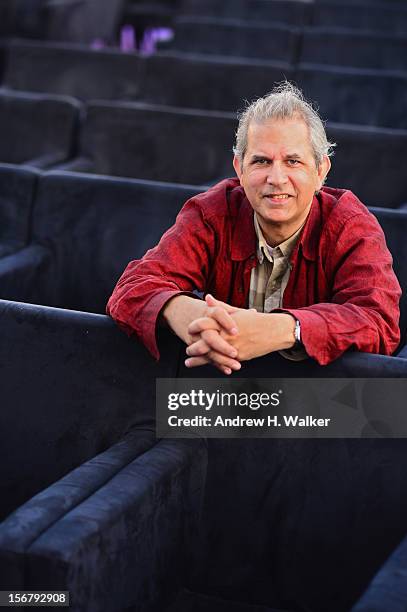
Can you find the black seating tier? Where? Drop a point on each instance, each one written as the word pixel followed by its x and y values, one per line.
pixel 17 191
pixel 177 79
pixel 354 48
pixel 344 94
pixel 367 161
pixel 37 129
pixel 152 142
pixel 354 95
pixel 86 404
pixel 234 37
pixel 72 70
pixel 365 16
pixel 271 11
pixel 140 503
pixel 85 230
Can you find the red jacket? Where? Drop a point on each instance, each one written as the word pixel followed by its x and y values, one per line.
pixel 342 287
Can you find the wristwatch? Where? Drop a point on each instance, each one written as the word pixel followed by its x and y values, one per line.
pixel 297 333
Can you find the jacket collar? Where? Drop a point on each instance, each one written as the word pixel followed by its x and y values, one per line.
pixel 309 239
pixel 244 235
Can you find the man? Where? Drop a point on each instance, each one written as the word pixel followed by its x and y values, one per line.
pixel 287 264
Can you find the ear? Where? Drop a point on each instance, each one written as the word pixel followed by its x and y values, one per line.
pixel 323 169
pixel 237 166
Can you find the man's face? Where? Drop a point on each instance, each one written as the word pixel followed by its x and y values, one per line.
pixel 279 175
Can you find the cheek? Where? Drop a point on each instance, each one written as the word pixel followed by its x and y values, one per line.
pixel 251 181
pixel 306 184
pixel 257 178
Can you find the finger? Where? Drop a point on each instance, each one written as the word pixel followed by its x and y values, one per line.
pixel 216 343
pixel 215 320
pixel 227 366
pixel 200 347
pixel 223 369
pixel 210 340
pixel 212 356
pixel 204 345
pixel 225 320
pixel 201 324
pixel 211 301
pixel 222 360
pixel 193 362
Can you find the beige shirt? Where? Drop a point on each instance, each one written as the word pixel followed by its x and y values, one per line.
pixel 270 277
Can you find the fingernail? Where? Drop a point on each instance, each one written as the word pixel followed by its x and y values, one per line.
pixel 237 366
pixel 234 330
pixel 187 362
pixel 233 354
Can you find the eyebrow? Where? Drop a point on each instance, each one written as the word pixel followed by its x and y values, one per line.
pixel 257 157
pixel 292 156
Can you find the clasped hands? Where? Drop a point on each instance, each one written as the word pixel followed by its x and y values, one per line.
pixel 225 336
pixel 221 337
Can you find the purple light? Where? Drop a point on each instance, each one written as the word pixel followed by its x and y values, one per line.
pixel 127 39
pixel 152 36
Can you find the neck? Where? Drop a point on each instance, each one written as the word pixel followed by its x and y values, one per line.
pixel 277 233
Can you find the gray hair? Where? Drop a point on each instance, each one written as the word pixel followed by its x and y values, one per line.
pixel 284 101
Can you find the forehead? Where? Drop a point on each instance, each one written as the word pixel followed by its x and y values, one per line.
pixel 279 135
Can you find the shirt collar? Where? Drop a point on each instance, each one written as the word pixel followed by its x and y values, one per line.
pixel 265 250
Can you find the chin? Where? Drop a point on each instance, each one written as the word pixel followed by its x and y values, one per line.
pixel 276 218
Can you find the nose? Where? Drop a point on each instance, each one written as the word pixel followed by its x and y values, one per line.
pixel 276 174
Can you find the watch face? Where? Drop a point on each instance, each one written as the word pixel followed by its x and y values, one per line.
pixel 297 331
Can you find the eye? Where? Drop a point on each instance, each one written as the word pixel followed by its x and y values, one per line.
pixel 293 162
pixel 261 161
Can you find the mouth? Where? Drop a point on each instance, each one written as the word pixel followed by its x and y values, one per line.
pixel 278 198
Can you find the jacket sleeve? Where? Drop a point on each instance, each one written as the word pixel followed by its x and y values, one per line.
pixel 364 311
pixel 179 264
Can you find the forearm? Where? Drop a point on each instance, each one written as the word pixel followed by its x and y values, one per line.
pixel 269 332
pixel 179 312
pixel 280 330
